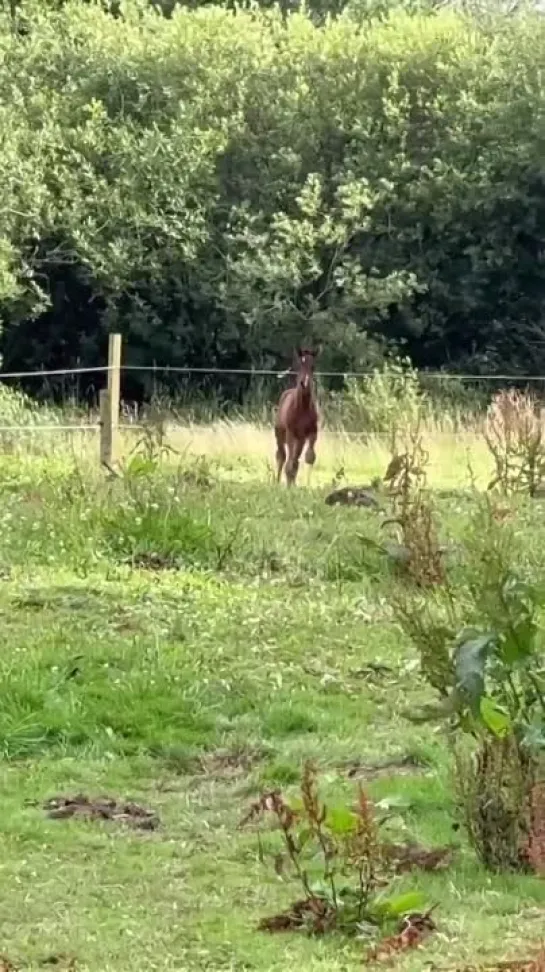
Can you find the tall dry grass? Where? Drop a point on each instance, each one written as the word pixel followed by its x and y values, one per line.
pixel 245 450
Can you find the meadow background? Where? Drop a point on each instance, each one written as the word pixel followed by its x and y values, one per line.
pixel 220 184
pixel 187 634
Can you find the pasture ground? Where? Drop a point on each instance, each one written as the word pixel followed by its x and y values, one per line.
pixel 190 689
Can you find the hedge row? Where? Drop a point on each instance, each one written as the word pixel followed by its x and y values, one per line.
pixel 223 184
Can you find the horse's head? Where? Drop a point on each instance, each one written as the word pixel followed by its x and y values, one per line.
pixel 305 367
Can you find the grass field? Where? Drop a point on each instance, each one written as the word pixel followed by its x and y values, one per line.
pixel 192 689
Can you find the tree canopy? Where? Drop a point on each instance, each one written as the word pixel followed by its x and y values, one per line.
pixel 221 184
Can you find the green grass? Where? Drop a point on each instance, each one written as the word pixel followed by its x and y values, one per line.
pixel 193 687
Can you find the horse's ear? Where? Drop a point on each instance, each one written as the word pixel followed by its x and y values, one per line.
pixel 298 353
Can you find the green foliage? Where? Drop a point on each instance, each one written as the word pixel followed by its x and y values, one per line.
pixel 514 434
pixel 495 786
pixel 16 408
pixel 19 409
pixel 487 655
pixel 500 664
pixel 418 555
pixel 158 687
pixel 335 854
pixel 389 401
pixel 145 524
pixel 19 415
pixel 482 648
pixel 389 195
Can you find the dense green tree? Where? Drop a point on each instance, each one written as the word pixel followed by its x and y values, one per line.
pixel 221 185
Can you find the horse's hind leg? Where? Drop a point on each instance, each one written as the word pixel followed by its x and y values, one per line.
pixel 280 452
pixel 295 448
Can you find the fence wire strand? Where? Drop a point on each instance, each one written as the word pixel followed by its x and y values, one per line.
pixel 256 372
pixel 50 428
pixel 252 372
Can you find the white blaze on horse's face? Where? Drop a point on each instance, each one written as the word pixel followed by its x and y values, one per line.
pixel 306 363
pixel 304 378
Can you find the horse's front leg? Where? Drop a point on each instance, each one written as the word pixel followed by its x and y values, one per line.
pixel 280 452
pixel 295 448
pixel 310 454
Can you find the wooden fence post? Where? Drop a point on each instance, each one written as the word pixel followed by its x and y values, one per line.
pixel 110 405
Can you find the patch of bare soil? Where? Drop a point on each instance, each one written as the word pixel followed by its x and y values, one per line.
pixel 314 915
pixel 353 496
pixel 375 672
pixel 411 857
pixel 397 765
pixel 153 561
pixel 412 932
pixel 231 762
pixel 532 964
pixel 224 763
pixel 60 961
pixel 102 808
pixel 317 917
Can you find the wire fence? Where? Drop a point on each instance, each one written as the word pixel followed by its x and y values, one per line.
pixel 261 372
pixel 129 420
pixel 88 427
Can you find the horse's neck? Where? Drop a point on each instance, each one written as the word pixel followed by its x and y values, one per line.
pixel 304 395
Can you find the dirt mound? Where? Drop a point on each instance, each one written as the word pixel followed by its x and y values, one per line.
pixel 153 561
pixel 395 766
pixel 102 808
pixel 353 496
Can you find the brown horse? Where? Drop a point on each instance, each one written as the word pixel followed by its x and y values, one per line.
pixel 297 420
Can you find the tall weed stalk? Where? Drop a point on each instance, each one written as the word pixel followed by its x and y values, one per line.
pixel 482 650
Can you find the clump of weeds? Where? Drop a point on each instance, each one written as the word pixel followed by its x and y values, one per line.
pixel 415 551
pixel 336 855
pixel 515 435
pixel 481 649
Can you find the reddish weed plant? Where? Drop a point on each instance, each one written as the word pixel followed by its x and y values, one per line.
pixel 535 848
pixel 419 552
pixel 335 855
pixel 515 435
